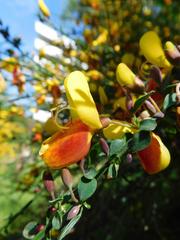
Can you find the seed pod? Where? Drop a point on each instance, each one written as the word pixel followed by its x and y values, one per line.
pixel 73 212
pixel 49 183
pixel 104 146
pixel 67 177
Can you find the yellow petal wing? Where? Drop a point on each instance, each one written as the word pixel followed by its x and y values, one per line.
pixel 151 48
pixel 80 99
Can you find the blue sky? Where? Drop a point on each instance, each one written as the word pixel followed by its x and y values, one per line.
pixel 20 16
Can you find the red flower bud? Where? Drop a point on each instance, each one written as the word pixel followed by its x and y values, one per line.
pixel 73 212
pixel 49 183
pixel 104 146
pixel 67 177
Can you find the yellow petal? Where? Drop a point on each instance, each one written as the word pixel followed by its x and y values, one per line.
pixel 80 99
pixel 44 9
pixel 124 75
pixel 151 48
pixel 50 126
pixel 169 46
pixel 2 84
pixel 117 130
pixel 67 147
pixel 102 96
pixel 9 64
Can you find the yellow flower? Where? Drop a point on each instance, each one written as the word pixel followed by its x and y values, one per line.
pixel 151 48
pixel 67 146
pixel 72 144
pixel 124 75
pixel 127 78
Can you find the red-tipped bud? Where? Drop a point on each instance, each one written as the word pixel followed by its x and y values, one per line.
pixel 159 115
pixel 39 227
pixel 105 122
pixel 104 146
pixel 172 53
pixel 129 158
pixel 49 183
pixel 129 103
pixel 73 212
pixel 144 115
pixel 150 107
pixel 67 177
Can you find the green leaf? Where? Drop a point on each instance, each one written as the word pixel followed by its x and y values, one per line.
pixel 148 124
pixel 29 230
pixel 140 101
pixel 113 170
pixel 169 100
pixel 40 235
pixel 67 229
pixel 139 141
pixel 86 188
pixel 90 174
pixel 118 147
pixel 56 223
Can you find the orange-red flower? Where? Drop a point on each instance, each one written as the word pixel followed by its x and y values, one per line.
pixel 72 144
pixel 67 146
pixel 155 157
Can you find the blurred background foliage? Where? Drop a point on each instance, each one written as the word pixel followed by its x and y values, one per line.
pixel 103 33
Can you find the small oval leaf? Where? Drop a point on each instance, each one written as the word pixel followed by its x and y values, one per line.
pixel 90 174
pixel 86 188
pixel 148 124
pixel 139 141
pixel 30 230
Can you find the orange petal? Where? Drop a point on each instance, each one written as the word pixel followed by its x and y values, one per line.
pixel 155 157
pixel 67 147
